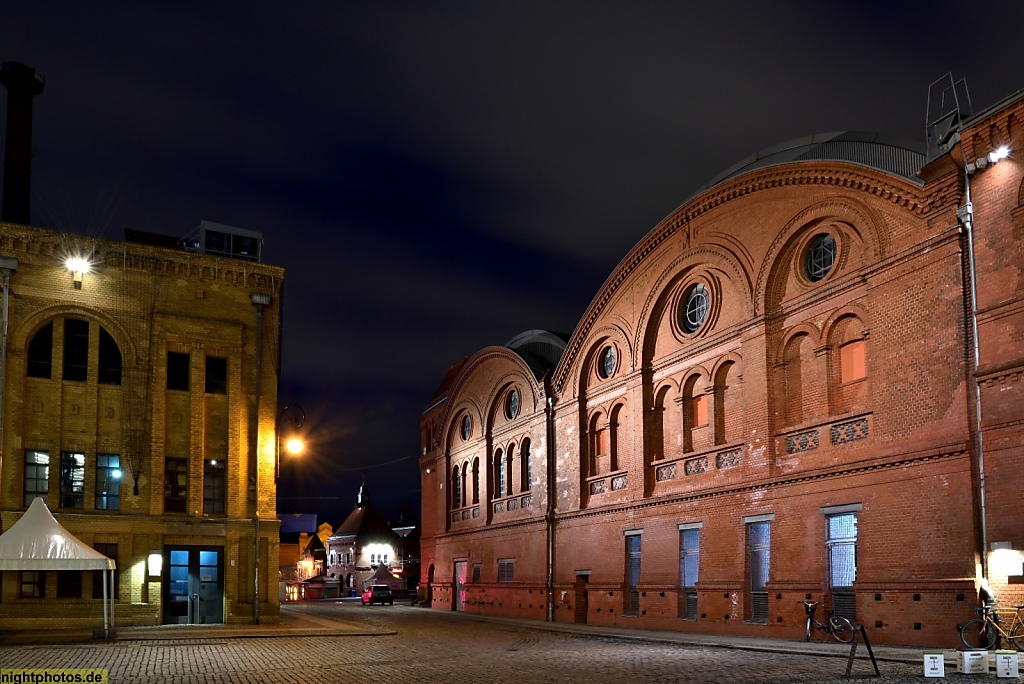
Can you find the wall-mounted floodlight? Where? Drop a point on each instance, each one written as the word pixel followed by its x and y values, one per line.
pixel 999 154
pixel 78 266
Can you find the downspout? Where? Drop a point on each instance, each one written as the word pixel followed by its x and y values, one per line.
pixel 966 216
pixel 549 517
pixel 7 266
pixel 259 300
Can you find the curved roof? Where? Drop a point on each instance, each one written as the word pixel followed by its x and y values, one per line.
pixel 892 154
pixel 540 349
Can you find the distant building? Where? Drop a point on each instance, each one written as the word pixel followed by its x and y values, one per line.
pixel 139 398
pixel 775 396
pixel 362 546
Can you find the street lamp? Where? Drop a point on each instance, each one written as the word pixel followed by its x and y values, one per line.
pixel 294 445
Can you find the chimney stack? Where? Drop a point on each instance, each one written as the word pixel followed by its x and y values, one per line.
pixel 22 83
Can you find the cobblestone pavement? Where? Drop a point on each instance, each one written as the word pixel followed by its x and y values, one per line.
pixel 419 645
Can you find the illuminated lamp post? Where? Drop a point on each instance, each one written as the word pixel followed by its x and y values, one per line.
pixel 294 445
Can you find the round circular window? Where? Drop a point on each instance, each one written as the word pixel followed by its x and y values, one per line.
pixel 820 257
pixel 607 367
pixel 695 307
pixel 512 404
pixel 467 426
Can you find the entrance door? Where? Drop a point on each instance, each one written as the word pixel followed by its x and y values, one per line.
pixel 581 608
pixel 459 586
pixel 193 585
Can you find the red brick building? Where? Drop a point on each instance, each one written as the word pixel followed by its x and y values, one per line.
pixel 775 396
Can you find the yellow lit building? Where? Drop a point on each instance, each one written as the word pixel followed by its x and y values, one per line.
pixel 139 391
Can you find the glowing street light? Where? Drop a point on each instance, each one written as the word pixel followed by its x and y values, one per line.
pixel 294 445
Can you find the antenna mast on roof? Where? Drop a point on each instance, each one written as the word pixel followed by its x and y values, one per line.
pixel 949 103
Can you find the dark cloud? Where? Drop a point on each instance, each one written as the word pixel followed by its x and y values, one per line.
pixel 439 176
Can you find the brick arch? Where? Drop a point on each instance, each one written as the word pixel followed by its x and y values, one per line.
pixel 850 311
pixel 453 423
pixel 23 332
pixel 726 262
pixel 867 226
pixel 799 329
pixel 600 339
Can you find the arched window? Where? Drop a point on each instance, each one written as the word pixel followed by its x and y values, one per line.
pixel 848 386
pixel 696 415
pixel 614 438
pixel 476 480
pixel 599 451
pixel 456 492
pixel 110 360
pixel 508 469
pixel 40 353
pixel 798 361
pixel 499 474
pixel 726 405
pixel 524 465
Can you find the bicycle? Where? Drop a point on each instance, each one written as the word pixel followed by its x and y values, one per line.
pixel 839 627
pixel 981 633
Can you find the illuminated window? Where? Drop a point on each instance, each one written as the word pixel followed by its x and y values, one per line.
pixel 72 480
pixel 214 485
pixel 700 410
pixel 37 475
pixel 108 482
pixel 175 484
pixel 851 361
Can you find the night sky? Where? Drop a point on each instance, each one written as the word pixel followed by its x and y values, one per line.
pixel 440 176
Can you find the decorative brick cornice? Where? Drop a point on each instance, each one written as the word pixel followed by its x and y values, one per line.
pixel 842 175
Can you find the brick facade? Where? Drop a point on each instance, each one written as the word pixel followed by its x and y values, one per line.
pixel 150 303
pixel 817 428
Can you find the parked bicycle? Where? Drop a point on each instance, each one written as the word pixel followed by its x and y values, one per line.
pixel 983 632
pixel 838 627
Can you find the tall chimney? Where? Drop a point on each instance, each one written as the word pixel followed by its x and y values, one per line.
pixel 22 83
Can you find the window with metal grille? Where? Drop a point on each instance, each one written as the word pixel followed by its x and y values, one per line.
pixel 216 375
pixel 177 371
pixel 695 308
pixel 37 475
pixel 758 545
pixel 689 564
pixel 841 547
pixel 175 484
pixel 108 482
pixel 110 551
pixel 820 257
pixel 632 574
pixel 506 570
pixel 110 360
pixel 72 479
pixel 214 486
pixel 40 353
pixel 76 349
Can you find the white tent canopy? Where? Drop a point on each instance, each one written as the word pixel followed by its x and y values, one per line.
pixel 38 542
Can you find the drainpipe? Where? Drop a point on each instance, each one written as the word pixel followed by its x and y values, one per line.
pixel 7 266
pixel 259 300
pixel 549 517
pixel 966 216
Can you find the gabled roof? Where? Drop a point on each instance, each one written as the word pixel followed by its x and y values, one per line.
pixel 365 522
pixel 38 542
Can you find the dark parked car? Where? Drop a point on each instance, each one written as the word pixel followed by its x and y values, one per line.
pixel 378 593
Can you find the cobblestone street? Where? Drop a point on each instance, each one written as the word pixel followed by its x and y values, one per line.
pixel 418 645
